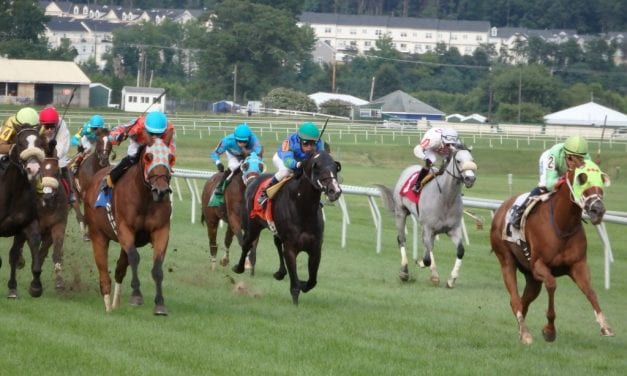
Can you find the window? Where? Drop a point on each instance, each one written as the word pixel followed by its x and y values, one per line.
pixel 403 47
pixel 352 32
pixel 85 11
pixel 367 43
pixel 364 31
pixel 479 38
pixel 453 37
pixel 378 32
pixel 429 36
pixel 403 34
pixel 75 11
pixel 369 113
pixel 8 88
pixel 327 30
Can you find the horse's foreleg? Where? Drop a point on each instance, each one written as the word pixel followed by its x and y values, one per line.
pixel 14 256
pixel 456 237
pixel 289 254
pixel 160 244
pixel 279 274
pixel 100 246
pixel 212 233
pixel 228 240
pixel 33 238
pixel 80 219
pixel 428 237
pixel 133 261
pixel 542 273
pixel 312 267
pixel 249 237
pixel 581 275
pixel 401 239
pixel 121 267
pixel 58 234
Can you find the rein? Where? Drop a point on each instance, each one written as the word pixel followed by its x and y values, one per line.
pixel 561 234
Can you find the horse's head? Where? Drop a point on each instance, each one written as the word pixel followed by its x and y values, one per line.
pixel 587 190
pixel 50 175
pixel 251 167
pixel 103 149
pixel 28 151
pixel 321 170
pixel 463 167
pixel 158 162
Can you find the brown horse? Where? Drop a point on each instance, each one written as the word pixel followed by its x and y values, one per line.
pixel 93 162
pixel 556 246
pixel 231 210
pixel 140 207
pixel 18 208
pixel 52 209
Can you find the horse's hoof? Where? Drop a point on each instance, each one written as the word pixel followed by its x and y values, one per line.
pixel 549 335
pixel 86 238
pixel 279 275
pixel 160 310
pixel 435 280
pixel 224 261
pixel 404 276
pixel 425 263
pixel 239 269
pixel 59 284
pixel 212 266
pixel 35 290
pixel 12 294
pixel 607 332
pixel 526 338
pixel 137 300
pixel 450 283
pixel 252 271
pixel 247 264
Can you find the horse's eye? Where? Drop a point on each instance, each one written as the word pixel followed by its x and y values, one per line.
pixel 582 178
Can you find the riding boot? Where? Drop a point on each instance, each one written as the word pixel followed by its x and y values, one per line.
pixel 519 210
pixel 219 190
pixel 67 175
pixel 421 175
pixel 263 197
pixel 116 173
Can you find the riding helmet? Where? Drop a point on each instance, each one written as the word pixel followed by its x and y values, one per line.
pixel 27 116
pixel 308 131
pixel 49 115
pixel 96 121
pixel 576 145
pixel 242 132
pixel 449 136
pixel 156 122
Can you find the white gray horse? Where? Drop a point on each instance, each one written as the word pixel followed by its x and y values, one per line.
pixel 439 210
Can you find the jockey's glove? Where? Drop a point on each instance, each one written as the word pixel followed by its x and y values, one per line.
pixel 52 144
pixel 220 166
pixel 80 148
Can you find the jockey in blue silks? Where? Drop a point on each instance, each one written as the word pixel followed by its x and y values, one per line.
pixel 292 153
pixel 236 146
pixel 85 138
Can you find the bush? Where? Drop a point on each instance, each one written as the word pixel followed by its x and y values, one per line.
pixel 288 99
pixel 336 107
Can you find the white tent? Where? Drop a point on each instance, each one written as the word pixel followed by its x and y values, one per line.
pixel 321 97
pixel 587 114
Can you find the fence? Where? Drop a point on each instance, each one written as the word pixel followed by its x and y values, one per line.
pixel 371 194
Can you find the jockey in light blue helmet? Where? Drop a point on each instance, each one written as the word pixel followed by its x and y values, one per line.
pixel 156 122
pixel 242 132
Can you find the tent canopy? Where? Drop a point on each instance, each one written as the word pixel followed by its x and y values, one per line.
pixel 587 114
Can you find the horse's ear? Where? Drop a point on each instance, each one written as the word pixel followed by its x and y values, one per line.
pixel 606 179
pixel 245 166
pixel 338 165
pixel 148 158
pixel 262 167
pixel 171 159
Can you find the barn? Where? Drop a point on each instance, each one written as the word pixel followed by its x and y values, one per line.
pixel 43 82
pixel 397 105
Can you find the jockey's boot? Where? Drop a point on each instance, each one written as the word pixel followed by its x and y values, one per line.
pixel 421 175
pixel 116 173
pixel 67 175
pixel 517 213
pixel 219 189
pixel 263 197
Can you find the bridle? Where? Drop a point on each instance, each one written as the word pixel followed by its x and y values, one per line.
pixel 316 180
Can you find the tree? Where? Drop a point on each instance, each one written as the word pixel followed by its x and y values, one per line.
pixel 21 29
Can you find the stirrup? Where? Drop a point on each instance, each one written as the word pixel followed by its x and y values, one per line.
pixel 263 198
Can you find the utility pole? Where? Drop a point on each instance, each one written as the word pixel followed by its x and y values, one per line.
pixel 333 78
pixel 519 91
pixel 372 89
pixel 234 87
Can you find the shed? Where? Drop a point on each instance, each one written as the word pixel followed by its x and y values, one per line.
pixel 43 82
pixel 99 95
pixel 140 99
pixel 398 105
pixel 224 106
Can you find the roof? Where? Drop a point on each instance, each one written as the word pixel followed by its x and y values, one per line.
pixel 42 71
pixel 143 90
pixel 587 114
pixel 401 102
pixel 321 97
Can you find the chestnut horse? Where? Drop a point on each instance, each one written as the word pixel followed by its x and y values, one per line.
pixel 93 162
pixel 557 246
pixel 297 219
pixel 140 207
pixel 18 208
pixel 52 209
pixel 232 209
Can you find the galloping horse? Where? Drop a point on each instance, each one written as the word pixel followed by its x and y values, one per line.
pixel 52 209
pixel 93 162
pixel 233 208
pixel 439 209
pixel 557 246
pixel 140 207
pixel 18 208
pixel 296 217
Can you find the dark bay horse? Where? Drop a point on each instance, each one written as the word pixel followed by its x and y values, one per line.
pixel 93 162
pixel 439 209
pixel 141 208
pixel 52 209
pixel 232 210
pixel 18 204
pixel 297 218
pixel 557 246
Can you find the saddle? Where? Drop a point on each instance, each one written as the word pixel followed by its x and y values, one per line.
pixel 407 190
pixel 511 234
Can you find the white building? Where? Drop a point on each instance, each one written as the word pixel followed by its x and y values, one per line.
pixel 140 99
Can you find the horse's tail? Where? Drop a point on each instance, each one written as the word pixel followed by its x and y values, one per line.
pixel 387 196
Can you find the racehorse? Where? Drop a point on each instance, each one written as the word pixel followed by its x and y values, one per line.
pixel 556 243
pixel 52 209
pixel 439 209
pixel 140 207
pixel 297 221
pixel 233 208
pixel 18 208
pixel 92 163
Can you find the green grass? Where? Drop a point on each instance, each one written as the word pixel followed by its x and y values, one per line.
pixel 359 320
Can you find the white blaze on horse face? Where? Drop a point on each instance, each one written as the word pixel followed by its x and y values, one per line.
pixel 31 140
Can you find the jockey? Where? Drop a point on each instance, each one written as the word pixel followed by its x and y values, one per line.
pixel 57 134
pixel 554 163
pixel 291 154
pixel 85 138
pixel 436 141
pixel 236 146
pixel 140 132
pixel 26 116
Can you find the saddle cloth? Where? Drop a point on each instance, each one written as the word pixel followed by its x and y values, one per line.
pixel 407 190
pixel 512 234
